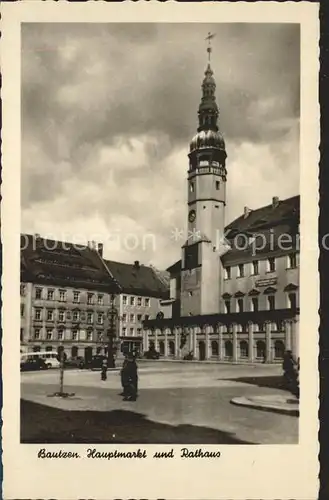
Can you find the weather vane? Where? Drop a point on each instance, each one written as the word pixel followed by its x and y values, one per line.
pixel 209 38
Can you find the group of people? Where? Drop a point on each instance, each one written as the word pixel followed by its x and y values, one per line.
pixel 129 377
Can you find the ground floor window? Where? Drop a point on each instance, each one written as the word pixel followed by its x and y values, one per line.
pixel 161 347
pixel 279 349
pixel 48 349
pixel 228 349
pixel 214 348
pixel 244 349
pixel 172 348
pixel 36 348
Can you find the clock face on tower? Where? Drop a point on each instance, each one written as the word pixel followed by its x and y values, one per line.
pixel 191 216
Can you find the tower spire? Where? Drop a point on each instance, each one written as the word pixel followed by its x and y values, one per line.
pixel 208 110
pixel 209 48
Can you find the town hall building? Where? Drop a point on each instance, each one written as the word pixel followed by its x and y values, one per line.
pixel 234 294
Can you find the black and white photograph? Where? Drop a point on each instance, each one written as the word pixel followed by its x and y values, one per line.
pixel 163 233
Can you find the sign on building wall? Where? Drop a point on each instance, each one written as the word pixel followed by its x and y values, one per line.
pixel 266 282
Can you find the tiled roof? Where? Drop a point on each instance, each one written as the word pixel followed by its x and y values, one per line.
pixel 138 279
pixel 64 264
pixel 269 223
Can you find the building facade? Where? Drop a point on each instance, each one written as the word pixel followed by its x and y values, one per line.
pixel 67 291
pixel 234 295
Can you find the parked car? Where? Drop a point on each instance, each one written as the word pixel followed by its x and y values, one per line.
pixel 77 362
pixel 96 362
pixel 152 354
pixel 33 365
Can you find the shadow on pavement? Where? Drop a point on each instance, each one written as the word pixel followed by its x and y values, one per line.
pixel 274 382
pixel 43 424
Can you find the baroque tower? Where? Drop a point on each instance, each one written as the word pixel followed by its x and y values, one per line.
pixel 201 275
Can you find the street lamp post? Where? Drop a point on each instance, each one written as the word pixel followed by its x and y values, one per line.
pixel 111 332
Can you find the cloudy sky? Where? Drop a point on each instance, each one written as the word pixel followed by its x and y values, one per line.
pixel 108 111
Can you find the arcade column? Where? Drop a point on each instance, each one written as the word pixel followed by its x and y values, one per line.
pixel 166 343
pixel 251 341
pixel 295 337
pixel 235 342
pixel 268 340
pixel 220 342
pixel 287 333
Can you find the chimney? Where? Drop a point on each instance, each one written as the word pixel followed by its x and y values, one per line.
pixel 246 212
pixel 100 248
pixel 136 264
pixel 275 201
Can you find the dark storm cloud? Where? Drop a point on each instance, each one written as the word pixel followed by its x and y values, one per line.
pixel 86 87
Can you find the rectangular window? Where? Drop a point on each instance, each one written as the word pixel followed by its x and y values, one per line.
pixel 38 293
pixel 271 265
pixel 90 318
pixel 139 332
pixel 131 331
pixel 38 314
pixel 240 270
pixel 292 300
pixel 22 310
pixel 254 303
pixel 227 273
pixel 139 301
pixel 60 334
pixel 99 336
pixel 74 334
pixel 89 335
pixel 62 295
pixel 255 267
pixel 146 317
pixel 124 317
pixel 61 315
pixel 147 302
pixel 100 300
pixel 50 294
pixel 100 318
pixel 90 297
pixel 139 317
pixel 131 318
pixel 124 331
pixel 132 301
pixel 76 296
pixel 227 306
pixel 22 290
pixel 240 305
pixel 124 300
pixel 49 334
pixel 22 335
pixel 191 187
pixel 292 261
pixel 76 315
pixel 36 333
pixel 50 315
pixel 271 302
pixel 217 185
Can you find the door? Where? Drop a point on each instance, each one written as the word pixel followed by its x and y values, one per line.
pixel 88 354
pixel 202 350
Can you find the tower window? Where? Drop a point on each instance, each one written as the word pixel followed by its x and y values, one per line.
pixel 192 187
pixel 255 267
pixel 217 185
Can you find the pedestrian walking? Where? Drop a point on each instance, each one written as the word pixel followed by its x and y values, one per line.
pixel 104 370
pixel 129 378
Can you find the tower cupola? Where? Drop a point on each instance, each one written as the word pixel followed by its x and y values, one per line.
pixel 208 135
